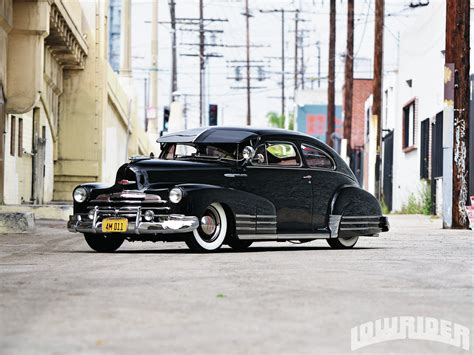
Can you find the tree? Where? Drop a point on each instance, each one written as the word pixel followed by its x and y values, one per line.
pixel 278 121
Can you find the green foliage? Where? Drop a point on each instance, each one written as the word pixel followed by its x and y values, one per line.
pixel 278 121
pixel 421 204
pixel 384 206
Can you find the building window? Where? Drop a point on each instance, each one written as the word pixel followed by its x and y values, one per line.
pixel 12 135
pixel 20 137
pixel 409 127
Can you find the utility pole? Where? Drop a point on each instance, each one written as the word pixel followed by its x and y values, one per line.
pixel 202 63
pixel 282 63
pixel 203 56
pixel 331 74
pixel 349 76
pixel 377 91
pixel 457 56
pixel 154 69
pixel 174 59
pixel 318 45
pixel 282 13
pixel 247 40
pixel 296 49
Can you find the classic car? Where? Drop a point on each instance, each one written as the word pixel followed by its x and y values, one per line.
pixel 228 185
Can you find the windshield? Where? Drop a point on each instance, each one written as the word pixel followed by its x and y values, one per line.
pixel 181 151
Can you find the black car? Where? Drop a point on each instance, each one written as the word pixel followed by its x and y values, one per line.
pixel 234 186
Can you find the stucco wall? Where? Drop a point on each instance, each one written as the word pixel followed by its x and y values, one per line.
pixel 421 61
pixel 18 170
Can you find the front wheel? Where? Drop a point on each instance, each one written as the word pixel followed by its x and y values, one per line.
pixel 342 243
pixel 212 230
pixel 104 243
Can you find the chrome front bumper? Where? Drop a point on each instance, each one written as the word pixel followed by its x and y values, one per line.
pixel 162 224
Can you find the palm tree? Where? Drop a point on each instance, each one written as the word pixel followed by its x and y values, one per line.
pixel 278 121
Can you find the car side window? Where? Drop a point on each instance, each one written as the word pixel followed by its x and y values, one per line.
pixel 276 154
pixel 316 158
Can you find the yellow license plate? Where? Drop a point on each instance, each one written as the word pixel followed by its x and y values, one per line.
pixel 114 225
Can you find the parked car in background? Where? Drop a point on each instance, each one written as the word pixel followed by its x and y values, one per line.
pixel 234 186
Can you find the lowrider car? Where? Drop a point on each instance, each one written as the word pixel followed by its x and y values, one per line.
pixel 234 186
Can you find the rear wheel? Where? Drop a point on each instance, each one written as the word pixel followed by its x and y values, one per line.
pixel 212 230
pixel 104 243
pixel 342 242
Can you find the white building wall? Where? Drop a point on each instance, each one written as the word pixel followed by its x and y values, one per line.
pixel 421 60
pixel 18 170
pixel 115 147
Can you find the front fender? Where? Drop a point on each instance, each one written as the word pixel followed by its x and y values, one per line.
pixel 199 196
pixel 94 189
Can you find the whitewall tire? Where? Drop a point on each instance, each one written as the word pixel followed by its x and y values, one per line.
pixel 212 230
pixel 342 243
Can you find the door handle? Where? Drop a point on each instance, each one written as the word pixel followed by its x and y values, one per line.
pixel 307 177
pixel 235 175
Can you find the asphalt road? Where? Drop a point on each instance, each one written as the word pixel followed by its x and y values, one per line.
pixel 57 296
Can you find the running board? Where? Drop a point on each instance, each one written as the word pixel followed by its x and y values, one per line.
pixel 274 237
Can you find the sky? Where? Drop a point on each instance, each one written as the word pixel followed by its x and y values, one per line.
pixel 265 32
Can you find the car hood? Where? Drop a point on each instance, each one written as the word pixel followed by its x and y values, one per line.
pixel 157 173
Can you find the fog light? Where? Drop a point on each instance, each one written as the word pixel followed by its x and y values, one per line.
pixel 91 214
pixel 149 215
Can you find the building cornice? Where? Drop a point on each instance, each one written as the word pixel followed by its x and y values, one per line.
pixel 65 41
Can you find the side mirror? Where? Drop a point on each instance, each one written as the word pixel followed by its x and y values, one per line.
pixel 260 159
pixel 248 153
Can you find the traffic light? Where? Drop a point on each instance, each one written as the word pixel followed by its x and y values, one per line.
pixel 166 118
pixel 212 115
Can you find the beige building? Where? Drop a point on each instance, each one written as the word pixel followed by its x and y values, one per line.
pixel 64 113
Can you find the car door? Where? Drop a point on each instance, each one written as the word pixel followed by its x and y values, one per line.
pixel 277 174
pixel 325 181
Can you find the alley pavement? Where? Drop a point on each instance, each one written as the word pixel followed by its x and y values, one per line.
pixel 58 296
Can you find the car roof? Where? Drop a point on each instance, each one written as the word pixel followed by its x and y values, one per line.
pixel 220 134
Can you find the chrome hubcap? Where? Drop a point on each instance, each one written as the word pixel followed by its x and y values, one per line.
pixel 208 225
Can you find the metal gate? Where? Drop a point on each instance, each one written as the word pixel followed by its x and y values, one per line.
pixel 436 157
pixel 387 187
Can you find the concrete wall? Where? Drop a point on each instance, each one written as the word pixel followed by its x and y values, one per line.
pixel 421 61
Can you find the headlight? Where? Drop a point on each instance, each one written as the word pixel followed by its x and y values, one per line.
pixel 80 194
pixel 176 194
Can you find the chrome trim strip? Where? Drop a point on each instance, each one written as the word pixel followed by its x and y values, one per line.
pixel 360 217
pixel 284 236
pixel 266 222
pixel 245 228
pixel 255 216
pixel 360 222
pixel 359 228
pixel 258 236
